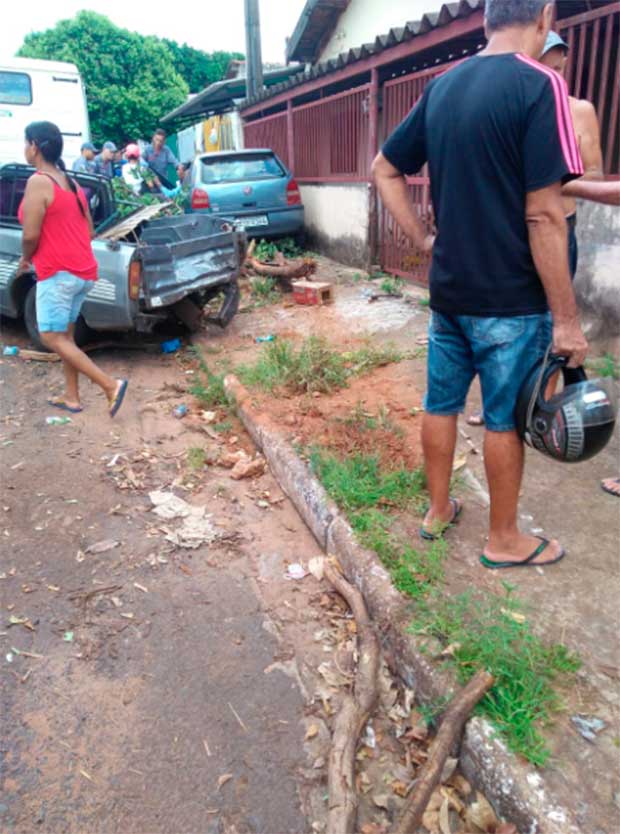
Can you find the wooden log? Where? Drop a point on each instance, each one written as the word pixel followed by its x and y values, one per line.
pixel 449 732
pixel 353 715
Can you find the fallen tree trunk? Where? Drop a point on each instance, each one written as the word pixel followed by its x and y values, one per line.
pixel 299 268
pixel 353 715
pixel 450 730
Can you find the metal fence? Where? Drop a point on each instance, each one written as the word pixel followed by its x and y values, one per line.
pixel 269 132
pixel 592 72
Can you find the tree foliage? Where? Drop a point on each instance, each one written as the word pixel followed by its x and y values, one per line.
pixel 131 80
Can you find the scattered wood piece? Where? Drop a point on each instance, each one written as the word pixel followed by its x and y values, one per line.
pixel 236 714
pixel 354 713
pixel 207 748
pixel 454 719
pixel 39 356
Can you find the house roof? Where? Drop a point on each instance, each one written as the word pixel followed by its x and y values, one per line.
pixel 315 24
pixel 221 96
pixel 432 20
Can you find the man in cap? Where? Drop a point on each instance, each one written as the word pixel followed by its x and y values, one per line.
pixel 104 161
pixel 85 163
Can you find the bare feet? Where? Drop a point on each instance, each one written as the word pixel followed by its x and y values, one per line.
pixel 475 419
pixel 437 521
pixel 612 486
pixel 519 548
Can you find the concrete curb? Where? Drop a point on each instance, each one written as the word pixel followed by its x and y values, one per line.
pixel 517 790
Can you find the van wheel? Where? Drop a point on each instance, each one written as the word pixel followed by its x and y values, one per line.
pixel 83 333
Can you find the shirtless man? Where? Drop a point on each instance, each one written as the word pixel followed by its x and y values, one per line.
pixel 589 187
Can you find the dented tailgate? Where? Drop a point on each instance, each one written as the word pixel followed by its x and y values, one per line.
pixel 185 254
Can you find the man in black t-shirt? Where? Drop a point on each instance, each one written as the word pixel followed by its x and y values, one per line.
pixel 497 135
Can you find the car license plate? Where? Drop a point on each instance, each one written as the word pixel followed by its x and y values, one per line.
pixel 248 222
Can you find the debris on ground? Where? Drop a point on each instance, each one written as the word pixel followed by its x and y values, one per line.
pixel 270 261
pixel 10 350
pixel 103 546
pixel 248 468
pixel 180 411
pixel 588 726
pixel 171 346
pixel 197 528
pixel 312 293
pixel 57 421
pixel 296 571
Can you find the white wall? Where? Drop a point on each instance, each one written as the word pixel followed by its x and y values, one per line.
pixel 337 219
pixel 363 20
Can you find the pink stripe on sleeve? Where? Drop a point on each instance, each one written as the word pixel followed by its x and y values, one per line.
pixel 566 131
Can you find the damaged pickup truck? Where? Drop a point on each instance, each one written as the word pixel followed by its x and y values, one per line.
pixel 151 268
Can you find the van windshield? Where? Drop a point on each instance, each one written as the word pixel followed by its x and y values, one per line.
pixel 255 166
pixel 15 88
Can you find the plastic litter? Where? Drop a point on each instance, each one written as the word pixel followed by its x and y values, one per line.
pixel 57 421
pixel 269 338
pixel 68 637
pixel 588 726
pixel 171 346
pixel 180 411
pixel 296 571
pixel 10 350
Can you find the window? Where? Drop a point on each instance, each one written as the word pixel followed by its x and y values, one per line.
pixel 15 88
pixel 252 166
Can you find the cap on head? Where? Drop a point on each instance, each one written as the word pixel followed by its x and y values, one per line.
pixel 553 42
pixel 110 146
pixel 132 151
pixel 88 146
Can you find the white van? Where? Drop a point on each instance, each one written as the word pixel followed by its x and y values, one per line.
pixel 33 91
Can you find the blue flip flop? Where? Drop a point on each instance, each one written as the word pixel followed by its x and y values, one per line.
pixel 62 405
pixel 117 402
pixel 456 511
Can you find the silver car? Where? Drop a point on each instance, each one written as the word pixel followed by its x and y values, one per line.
pixel 150 268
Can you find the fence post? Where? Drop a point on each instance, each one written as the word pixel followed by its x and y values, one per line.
pixel 373 135
pixel 290 135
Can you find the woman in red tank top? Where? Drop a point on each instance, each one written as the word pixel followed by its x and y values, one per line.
pixel 57 240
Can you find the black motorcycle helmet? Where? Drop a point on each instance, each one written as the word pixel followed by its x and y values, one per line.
pixel 572 425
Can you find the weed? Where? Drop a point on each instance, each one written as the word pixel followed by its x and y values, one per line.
pixel 370 357
pixel 209 387
pixel 431 711
pixel 267 251
pixel 378 275
pixel 357 277
pixel 607 365
pixel 491 632
pixel 392 285
pixel 224 426
pixel 425 301
pixel 265 291
pixel 196 458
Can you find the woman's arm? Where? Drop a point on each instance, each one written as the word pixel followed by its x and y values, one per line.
pixel 36 200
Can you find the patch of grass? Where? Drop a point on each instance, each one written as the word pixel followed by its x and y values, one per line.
pixel 392 285
pixel 208 388
pixel 478 629
pixel 265 291
pixel 358 483
pixel 196 458
pixel 268 250
pixel 607 365
pixel 491 632
pixel 357 277
pixel 361 420
pixel 224 426
pixel 314 366
pixel 425 301
pixel 378 275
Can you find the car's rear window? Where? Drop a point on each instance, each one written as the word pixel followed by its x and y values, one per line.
pixel 15 88
pixel 256 166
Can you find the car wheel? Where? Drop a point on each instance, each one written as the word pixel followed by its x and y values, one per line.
pixel 82 335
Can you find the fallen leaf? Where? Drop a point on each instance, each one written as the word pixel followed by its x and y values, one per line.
pixel 481 814
pixel 80 556
pixel 458 464
pixel 141 588
pixel 102 547
pixel 312 732
pixel 507 828
pixel 513 615
pixel 444 818
pixel 400 789
pixel 381 800
pixel 226 777
pixel 461 784
pixel 430 821
pixel 448 769
pixel 316 566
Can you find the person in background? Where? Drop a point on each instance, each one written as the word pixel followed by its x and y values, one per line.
pixel 132 170
pixel 118 163
pixel 158 157
pixel 105 160
pixel 85 163
pixel 496 133
pixel 57 240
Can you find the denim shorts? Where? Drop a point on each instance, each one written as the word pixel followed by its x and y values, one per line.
pixel 501 351
pixel 59 300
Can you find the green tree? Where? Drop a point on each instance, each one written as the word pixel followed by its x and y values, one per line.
pixel 198 68
pixel 131 80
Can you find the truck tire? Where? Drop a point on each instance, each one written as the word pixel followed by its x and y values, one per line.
pixel 82 333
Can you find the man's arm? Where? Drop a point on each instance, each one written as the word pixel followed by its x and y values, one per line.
pixel 548 242
pixel 590 186
pixel 392 187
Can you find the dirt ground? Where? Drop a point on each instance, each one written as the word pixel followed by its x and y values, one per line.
pixel 157 689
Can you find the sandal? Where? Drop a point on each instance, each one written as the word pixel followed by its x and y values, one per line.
pixel 58 402
pixel 117 401
pixel 612 490
pixel 524 563
pixel 456 511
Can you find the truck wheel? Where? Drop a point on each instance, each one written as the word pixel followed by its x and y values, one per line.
pixel 82 334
